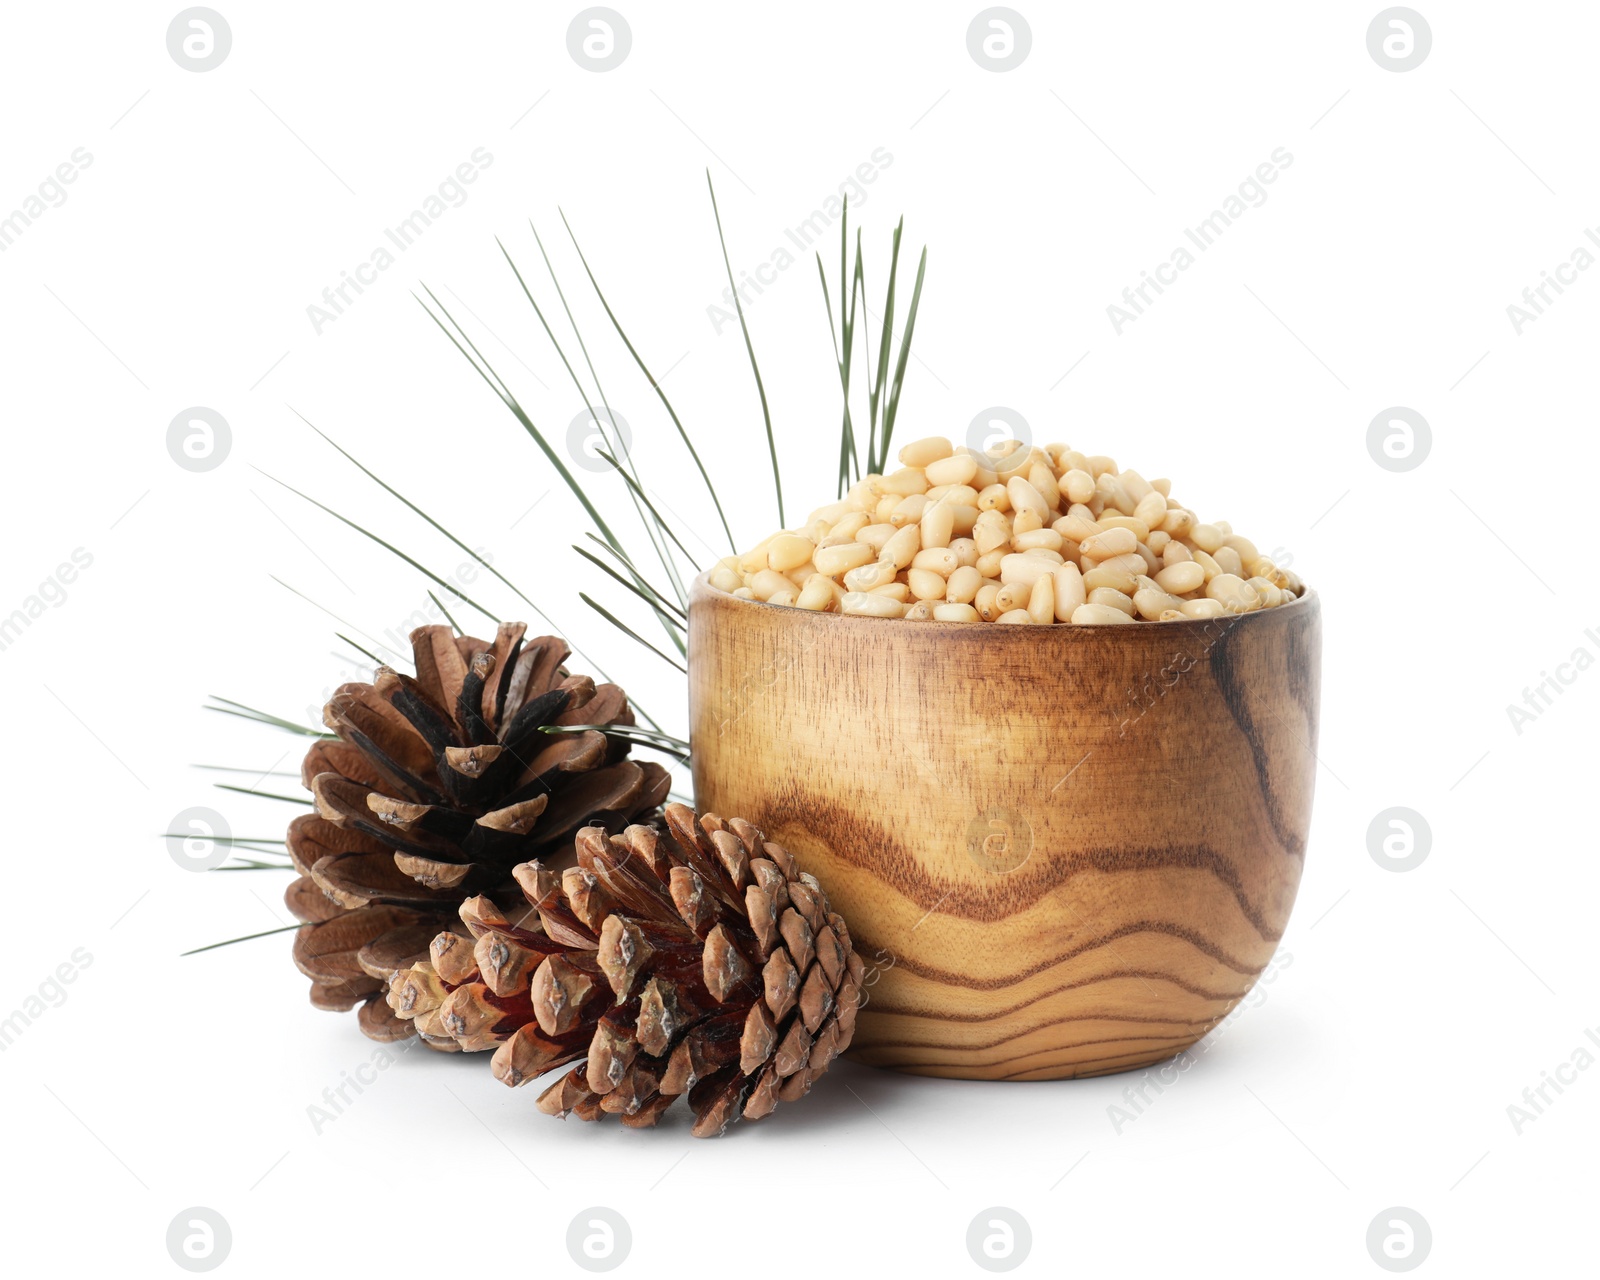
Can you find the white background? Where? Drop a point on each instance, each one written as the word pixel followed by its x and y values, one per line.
pixel 1417 1006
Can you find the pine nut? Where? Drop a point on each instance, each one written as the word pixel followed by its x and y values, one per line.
pixel 817 594
pixel 994 498
pixel 1202 608
pixel 992 531
pixel 1075 528
pixel 1098 615
pixel 938 524
pixel 725 579
pixel 789 551
pixel 907 480
pixel 1013 595
pixel 1270 594
pixel 940 560
pixel 1206 536
pixel 964 518
pixel 1044 483
pixel 1115 599
pixel 894 590
pixel 920 453
pixel 908 510
pixel 955 613
pixel 1132 562
pixel 963 585
pixel 1015 617
pixel 966 550
pixel 1140 529
pixel 1077 486
pixel 1024 570
pixel 868 605
pixel 1049 539
pixel 1109 487
pixel 959 469
pixel 1172 615
pixel 1233 592
pixel 1181 578
pixel 988 564
pixel 1151 604
pixel 1027 522
pixel 1138 487
pixel 1101 577
pixel 1211 567
pixel 1042 599
pixel 900 549
pixel 768 582
pixel 877 535
pixel 837 561
pixel 1111 542
pixel 1024 497
pixel 1070 591
pixel 868 576
pixel 1162 486
pixel 1175 553
pixel 1099 465
pixel 1228 560
pixel 1246 549
pixel 921 611
pixel 984 601
pixel 927 585
pixel 1152 509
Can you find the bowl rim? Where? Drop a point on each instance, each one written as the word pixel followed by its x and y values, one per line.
pixel 701 587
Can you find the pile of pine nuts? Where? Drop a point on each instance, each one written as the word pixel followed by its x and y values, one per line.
pixel 1012 535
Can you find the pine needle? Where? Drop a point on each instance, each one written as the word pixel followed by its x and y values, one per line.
pixel 439 604
pixel 265 933
pixel 654 386
pixel 630 632
pixel 650 596
pixel 263 717
pixel 393 492
pixel 265 795
pixel 390 547
pixel 905 351
pixel 766 414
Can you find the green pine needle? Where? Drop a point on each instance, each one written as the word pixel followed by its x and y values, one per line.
pixel 766 414
pixel 654 386
pixel 265 933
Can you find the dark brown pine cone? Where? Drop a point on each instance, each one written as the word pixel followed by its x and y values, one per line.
pixel 699 960
pixel 434 789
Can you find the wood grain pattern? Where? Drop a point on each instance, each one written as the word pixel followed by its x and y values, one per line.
pixel 1062 851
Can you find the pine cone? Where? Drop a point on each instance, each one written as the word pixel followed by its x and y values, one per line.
pixel 695 960
pixel 434 789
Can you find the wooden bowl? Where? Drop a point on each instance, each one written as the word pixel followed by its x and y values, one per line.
pixel 1062 851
